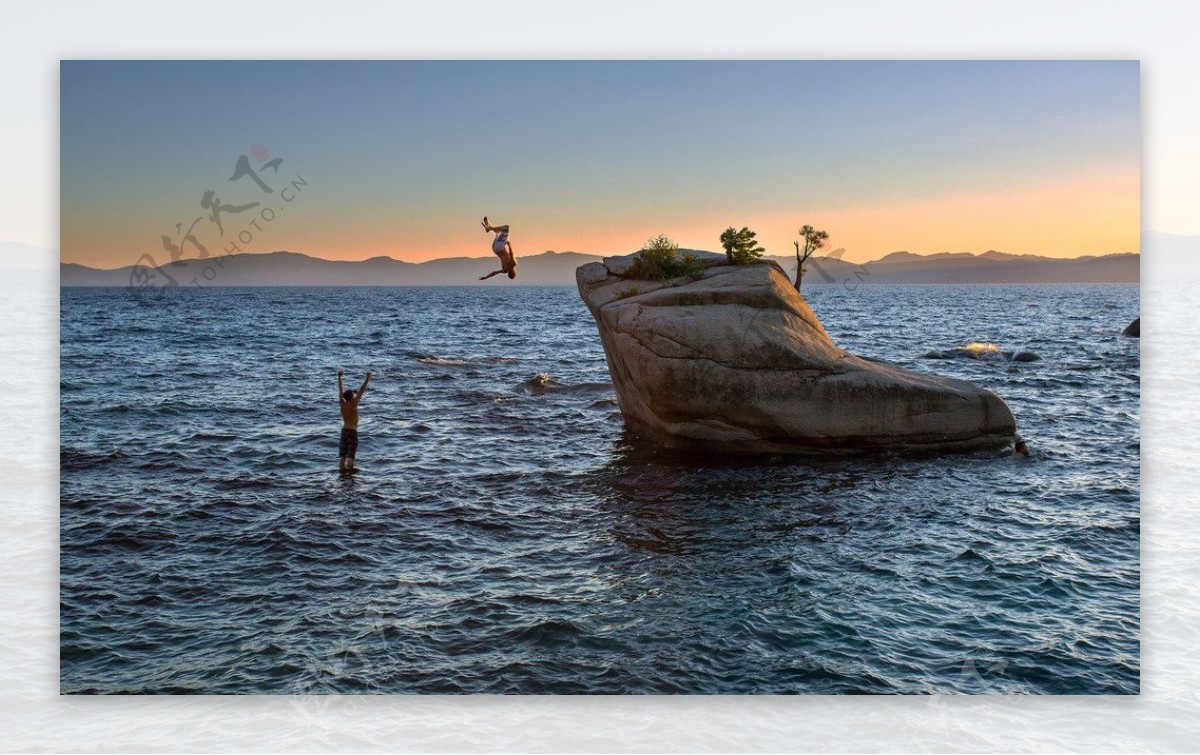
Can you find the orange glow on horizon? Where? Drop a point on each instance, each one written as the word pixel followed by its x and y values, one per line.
pixel 1095 213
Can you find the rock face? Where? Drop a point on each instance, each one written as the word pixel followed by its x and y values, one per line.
pixel 737 361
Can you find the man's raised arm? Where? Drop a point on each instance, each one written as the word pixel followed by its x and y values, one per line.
pixel 363 389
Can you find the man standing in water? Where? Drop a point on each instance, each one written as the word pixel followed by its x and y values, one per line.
pixel 502 249
pixel 348 401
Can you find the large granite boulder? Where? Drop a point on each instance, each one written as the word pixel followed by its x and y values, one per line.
pixel 737 361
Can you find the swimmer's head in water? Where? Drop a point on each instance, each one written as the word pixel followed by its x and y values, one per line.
pixel 348 395
pixel 1020 448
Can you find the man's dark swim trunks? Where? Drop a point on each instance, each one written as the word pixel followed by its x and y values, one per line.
pixel 349 445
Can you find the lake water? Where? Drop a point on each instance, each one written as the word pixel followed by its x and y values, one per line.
pixel 505 535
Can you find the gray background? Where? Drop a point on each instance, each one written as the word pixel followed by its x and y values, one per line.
pixel 1166 717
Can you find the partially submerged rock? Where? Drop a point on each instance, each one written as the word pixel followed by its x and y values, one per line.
pixel 737 361
pixel 1133 329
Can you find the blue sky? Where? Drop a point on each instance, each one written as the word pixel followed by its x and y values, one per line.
pixel 403 157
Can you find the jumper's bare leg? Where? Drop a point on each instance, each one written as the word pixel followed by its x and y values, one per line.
pixel 510 264
pixel 494 228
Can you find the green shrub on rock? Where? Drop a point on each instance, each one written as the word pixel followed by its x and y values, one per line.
pixel 659 259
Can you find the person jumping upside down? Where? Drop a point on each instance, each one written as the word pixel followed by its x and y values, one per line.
pixel 502 248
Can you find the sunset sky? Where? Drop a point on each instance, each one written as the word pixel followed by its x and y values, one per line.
pixel 403 158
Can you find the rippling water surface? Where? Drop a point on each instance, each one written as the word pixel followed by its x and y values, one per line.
pixel 505 535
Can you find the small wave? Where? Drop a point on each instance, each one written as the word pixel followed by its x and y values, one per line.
pixel 457 362
pixel 179 408
pixel 982 350
pixel 127 539
pixel 550 631
pixel 435 359
pixel 242 483
pixel 78 459
pixel 971 555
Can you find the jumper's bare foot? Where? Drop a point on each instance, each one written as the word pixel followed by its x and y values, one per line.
pixel 486 226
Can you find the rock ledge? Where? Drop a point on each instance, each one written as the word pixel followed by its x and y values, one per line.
pixel 737 361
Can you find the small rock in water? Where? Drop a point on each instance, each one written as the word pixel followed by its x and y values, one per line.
pixel 539 384
pixel 980 350
pixel 1133 329
pixel 1026 356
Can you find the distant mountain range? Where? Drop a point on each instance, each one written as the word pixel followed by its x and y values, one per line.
pixel 558 268
pixel 989 267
